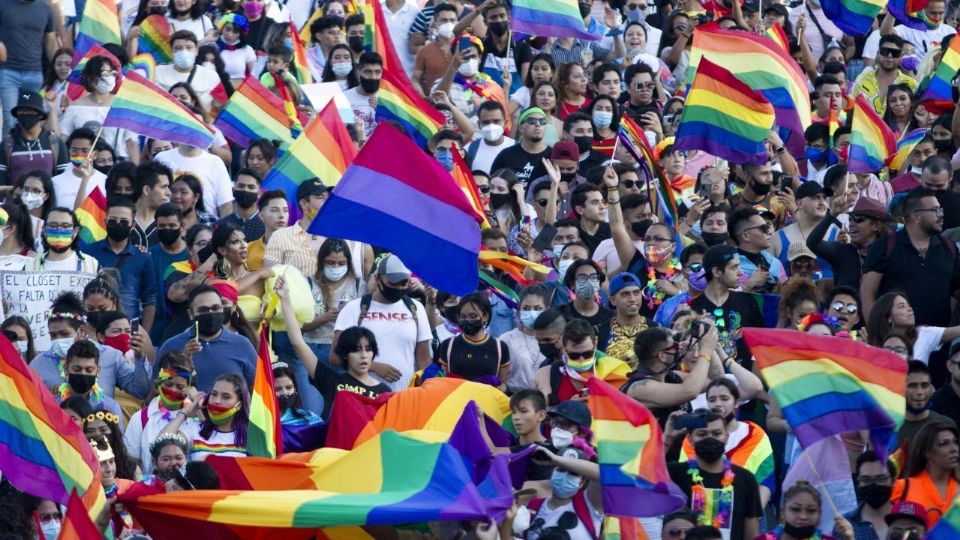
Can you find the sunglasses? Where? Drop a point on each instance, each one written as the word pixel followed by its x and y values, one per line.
pixel 695 267
pixel 849 308
pixel 585 355
pixel 765 228
pixel 891 53
pixel 542 202
pixel 630 184
pixel 859 219
pixel 483 189
pixel 535 121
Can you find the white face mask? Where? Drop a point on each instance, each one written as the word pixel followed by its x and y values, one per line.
pixel 563 266
pixel 334 273
pixel 492 132
pixel 916 170
pixel 22 347
pixel 184 59
pixel 59 347
pixel 342 69
pixel 469 68
pixel 106 84
pixel 51 529
pixel 31 200
pixel 561 438
pixel 445 30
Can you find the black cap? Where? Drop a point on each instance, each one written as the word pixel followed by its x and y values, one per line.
pixel 718 256
pixel 809 189
pixel 29 100
pixel 310 187
pixel 574 411
pixel 751 6
pixel 779 8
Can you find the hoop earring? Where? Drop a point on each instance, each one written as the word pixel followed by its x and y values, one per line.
pixel 223 269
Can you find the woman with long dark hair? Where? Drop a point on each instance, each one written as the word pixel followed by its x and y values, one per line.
pixel 226 416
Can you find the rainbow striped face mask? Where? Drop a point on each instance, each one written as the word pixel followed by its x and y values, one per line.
pixel 59 238
pixel 581 362
pixel 219 415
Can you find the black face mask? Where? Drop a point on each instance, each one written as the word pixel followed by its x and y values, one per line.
pixel 499 28
pixel 168 237
pixel 208 324
pixel 470 327
pixel 355 43
pixel 117 231
pixel 80 382
pixel 585 9
pixel 874 495
pixel 450 313
pixel 568 177
pixel 800 532
pixel 550 350
pixel 156 10
pixel 584 143
pixel 286 401
pixel 499 199
pixel 103 168
pixel 714 238
pixel 27 121
pixel 392 294
pixel 369 85
pixel 227 315
pixel 760 189
pixel 245 199
pixel 709 449
pixel 943 144
pixel 639 227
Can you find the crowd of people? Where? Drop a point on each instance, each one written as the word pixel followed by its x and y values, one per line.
pixel 155 357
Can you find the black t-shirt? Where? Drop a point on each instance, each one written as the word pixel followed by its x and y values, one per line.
pixel 739 311
pixel 473 360
pixel 746 492
pixel 527 166
pixel 592 241
pixel 536 470
pixel 946 402
pixel 328 382
pixel 950 201
pixel 600 321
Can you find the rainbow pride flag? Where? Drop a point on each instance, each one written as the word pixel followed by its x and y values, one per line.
pixel 391 479
pixel 397 100
pixel 464 178
pixel 723 117
pixel 948 528
pixel 145 64
pixel 828 385
pixel 264 437
pixel 300 63
pixel 92 215
pixel 323 150
pixel 155 32
pixel 854 17
pixel 254 112
pixel 754 453
pixel 397 205
pixel 764 67
pixel 513 265
pixel 549 18
pixel 940 86
pixel 905 146
pixel 76 522
pixel 146 109
pixel 42 451
pixel 376 38
pixel 776 33
pixel 99 24
pixel 633 139
pixel 909 12
pixel 633 468
pixel 872 144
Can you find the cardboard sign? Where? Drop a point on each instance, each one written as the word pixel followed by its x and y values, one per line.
pixel 30 295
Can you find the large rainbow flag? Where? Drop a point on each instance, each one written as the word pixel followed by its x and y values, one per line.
pixel 854 17
pixel 632 138
pixel 549 18
pixel 99 24
pixel 146 109
pixel 397 100
pixel 723 117
pixel 92 215
pixel 909 12
pixel 391 479
pixel 42 451
pixel 940 85
pixel 254 112
pixel 155 32
pixel 872 144
pixel 398 204
pixel 828 385
pixel 764 67
pixel 264 436
pixel 633 468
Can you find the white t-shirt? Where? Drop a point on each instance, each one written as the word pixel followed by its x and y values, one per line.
pixel 213 175
pixel 924 40
pixel 928 341
pixel 362 109
pixel 235 62
pixel 138 437
pixel 77 115
pixel 204 81
pixel 67 184
pixel 551 516
pixel 606 256
pixel 525 358
pixel 486 153
pixel 396 331
pixel 199 26
pixel 398 25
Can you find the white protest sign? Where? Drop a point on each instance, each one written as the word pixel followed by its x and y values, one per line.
pixel 320 94
pixel 30 295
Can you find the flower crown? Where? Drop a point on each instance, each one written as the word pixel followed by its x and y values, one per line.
pixel 163 438
pixel 106 416
pixel 278 365
pixel 66 315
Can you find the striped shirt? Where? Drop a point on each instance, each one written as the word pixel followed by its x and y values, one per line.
pixel 294 246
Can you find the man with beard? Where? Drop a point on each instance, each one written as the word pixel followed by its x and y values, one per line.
pixel 918 413
pixel 758 183
pixel 246 215
pixel 811 207
pixel 526 158
pixel 874 481
pixel 935 176
pixel 170 249
pixel 920 262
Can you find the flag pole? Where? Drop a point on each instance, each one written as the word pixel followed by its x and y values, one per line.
pixel 826 492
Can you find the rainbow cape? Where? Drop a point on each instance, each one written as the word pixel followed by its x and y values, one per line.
pixel 146 109
pixel 948 528
pixel 754 453
pixel 464 178
pixel 42 451
pixel 872 144
pixel 776 33
pixel 391 479
pixel 633 468
pixel 549 18
pixel 764 67
pixel 905 146
pixel 909 12
pixel 632 138
pixel 300 63
pixel 397 205
pixel 154 38
pixel 92 215
pixel 723 117
pixel 828 385
pixel 436 405
pixel 264 438
pixel 397 100
pixel 940 85
pixel 254 112
pixel 100 23
pixel 854 17
pixel 323 150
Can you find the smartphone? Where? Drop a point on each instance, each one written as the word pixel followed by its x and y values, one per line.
pixel 544 239
pixel 705 189
pixel 134 326
pixel 525 224
pixel 690 421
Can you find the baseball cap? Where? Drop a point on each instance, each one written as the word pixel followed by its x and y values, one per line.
pixel 808 189
pixel 565 150
pixel 310 187
pixel 718 256
pixel 392 268
pixel 907 509
pixel 799 249
pixel 751 6
pixel 779 8
pixel 29 100
pixel 574 411
pixel 622 281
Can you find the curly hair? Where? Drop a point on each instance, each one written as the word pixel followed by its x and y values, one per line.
pixel 795 292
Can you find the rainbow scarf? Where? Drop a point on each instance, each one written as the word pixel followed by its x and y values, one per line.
pixel 754 453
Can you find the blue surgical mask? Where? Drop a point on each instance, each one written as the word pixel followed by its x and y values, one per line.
pixel 815 155
pixel 636 15
pixel 50 529
pixel 564 484
pixel 527 317
pixel 59 347
pixel 602 119
pixel 563 266
pixel 288 43
pixel 445 159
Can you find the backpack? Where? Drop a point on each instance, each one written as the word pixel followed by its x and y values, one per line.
pixel 54 147
pixel 580 507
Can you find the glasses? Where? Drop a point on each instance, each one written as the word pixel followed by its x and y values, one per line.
pixel 209 309
pixel 897 532
pixel 765 228
pixel 859 219
pixel 483 189
pixel 535 121
pixel 542 202
pixel 630 184
pixel 937 210
pixel 645 86
pixel 891 53
pixel 124 222
pixel 849 308
pixel 898 350
pixel 584 355
pixel 677 533
pixel 44 518
pixel 583 278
